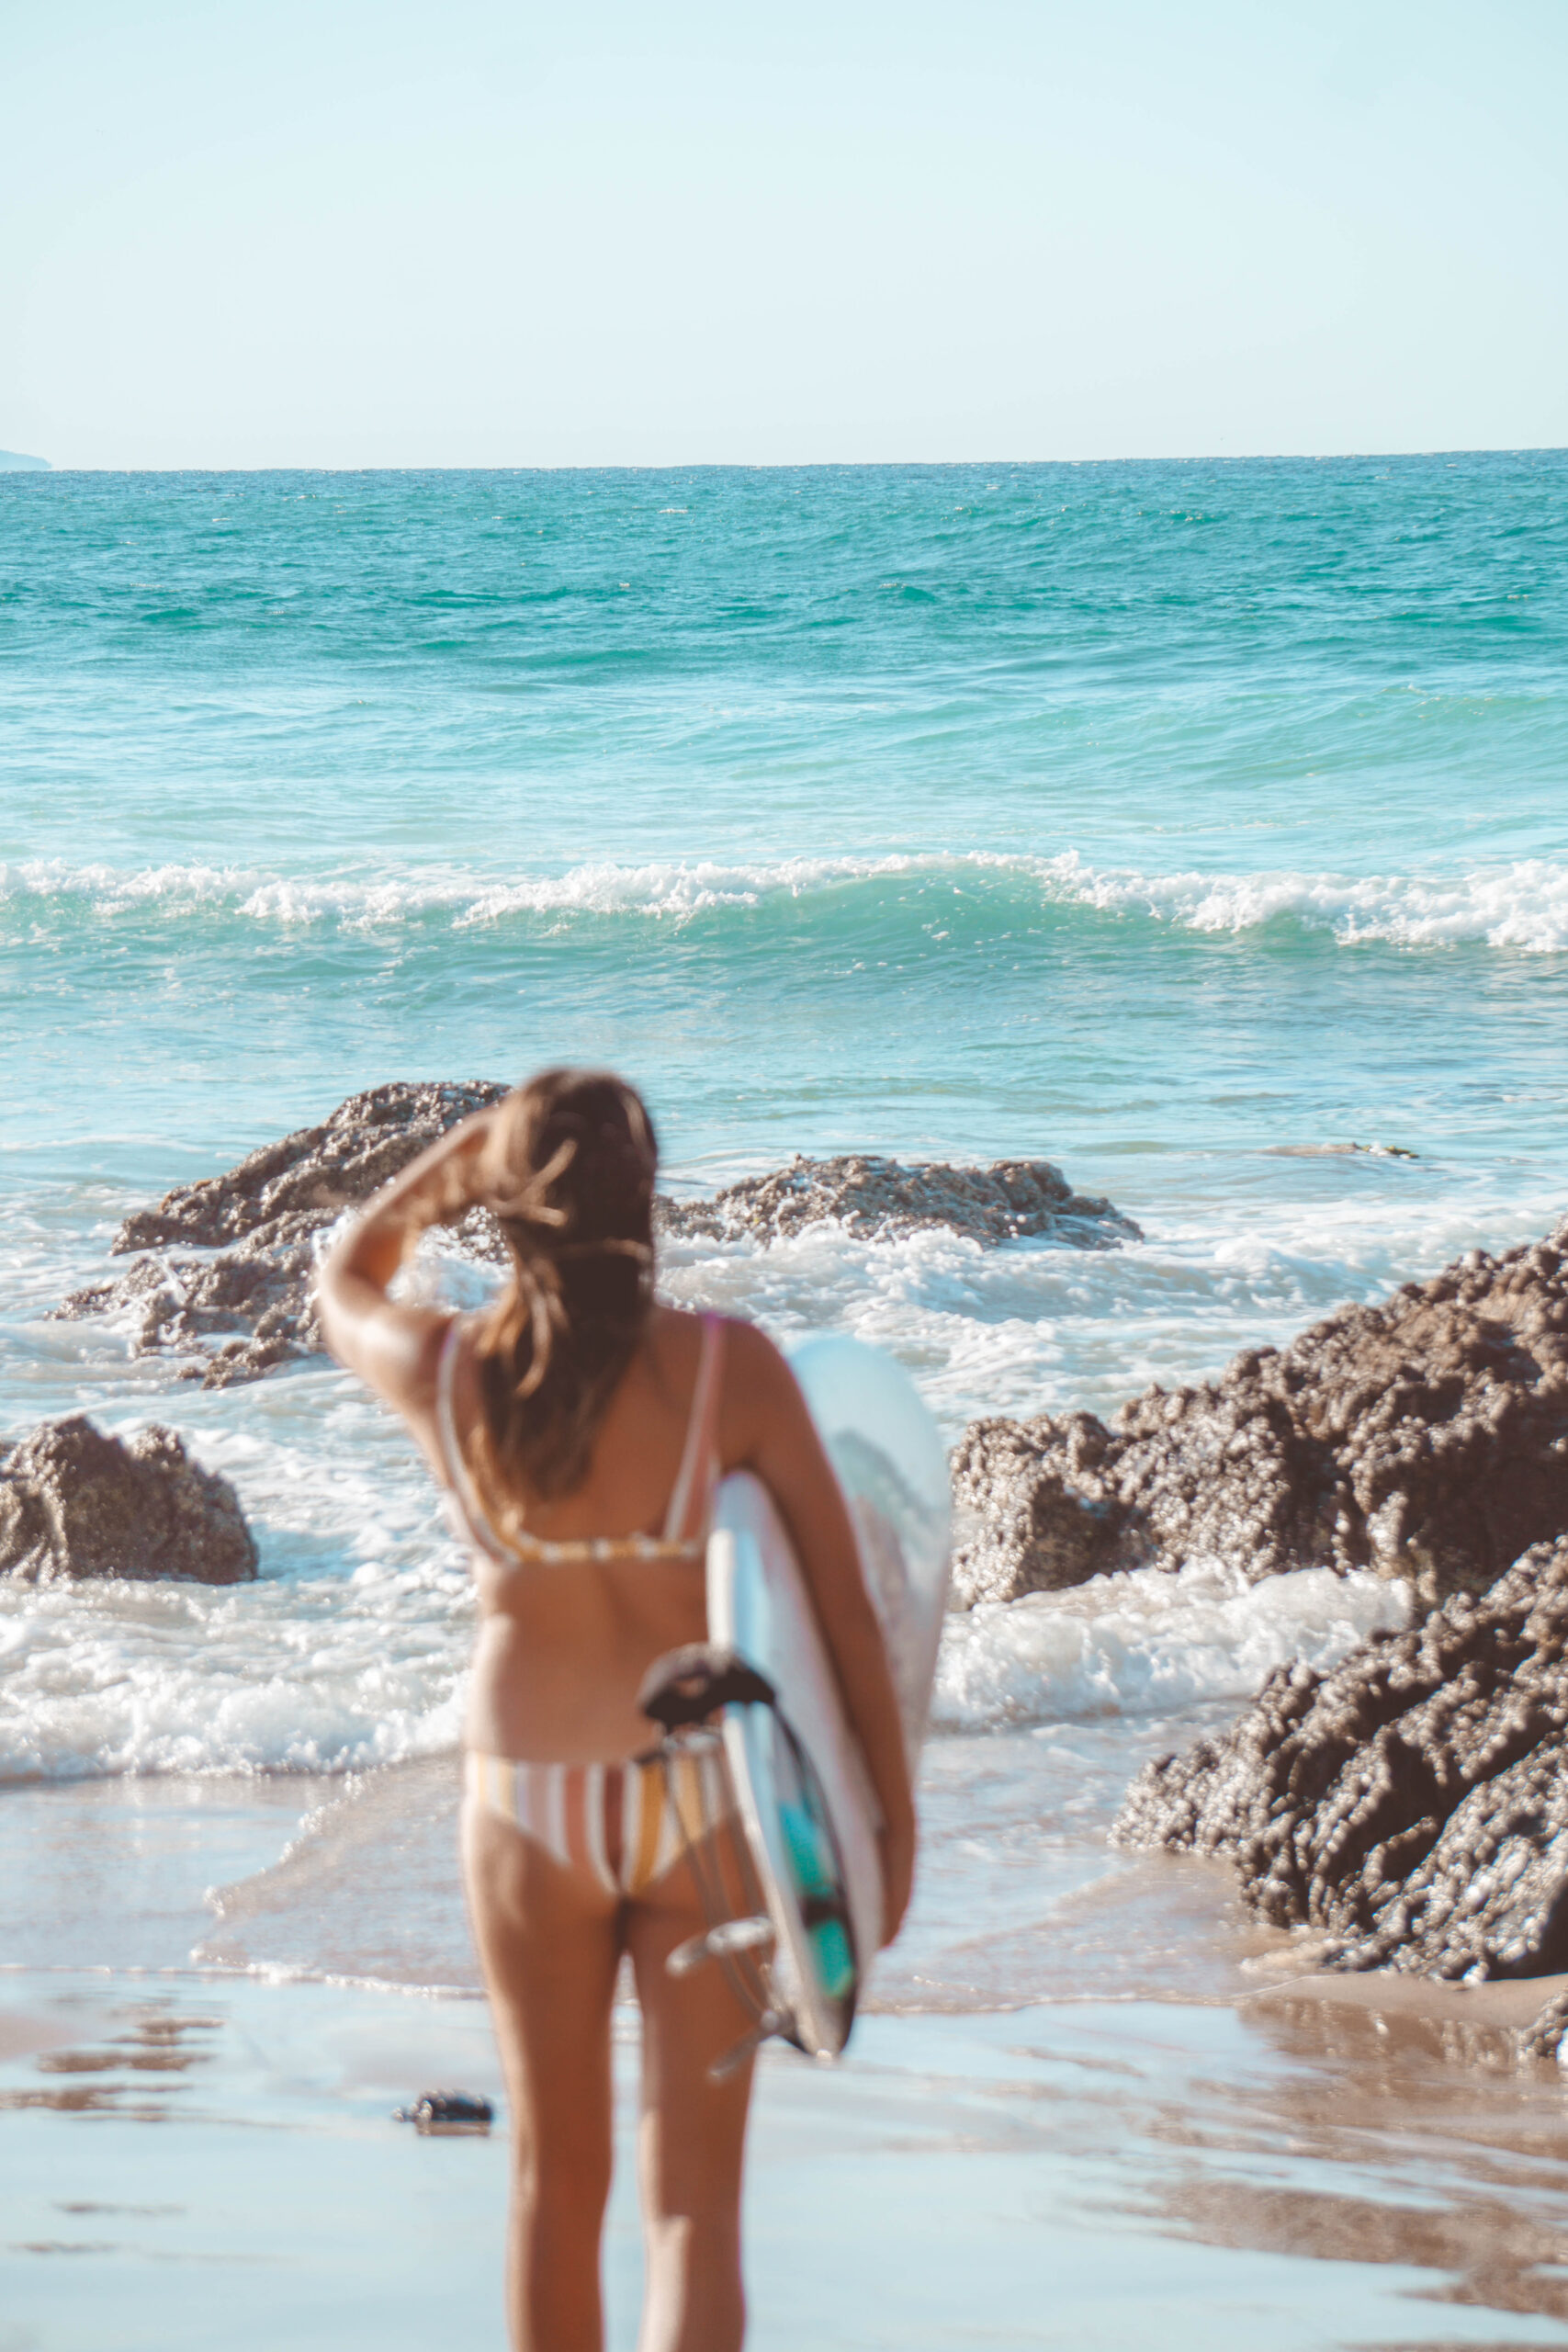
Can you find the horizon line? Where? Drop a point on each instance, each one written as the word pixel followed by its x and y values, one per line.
pixel 34 466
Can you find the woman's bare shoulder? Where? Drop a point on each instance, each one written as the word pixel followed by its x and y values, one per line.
pixel 750 1354
pixel 686 1323
pixel 752 1375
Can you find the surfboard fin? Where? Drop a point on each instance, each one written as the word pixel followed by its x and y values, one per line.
pixel 718 1943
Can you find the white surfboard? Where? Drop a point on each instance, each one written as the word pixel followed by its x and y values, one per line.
pixel 806 1801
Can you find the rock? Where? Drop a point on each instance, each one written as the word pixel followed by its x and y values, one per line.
pixel 447 2111
pixel 879 1199
pixel 1543 2037
pixel 1412 1802
pixel 74 1502
pixel 256 1226
pixel 288 1190
pixel 1426 1438
pixel 261 1219
pixel 259 1290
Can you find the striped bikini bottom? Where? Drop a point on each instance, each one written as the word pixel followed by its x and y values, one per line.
pixel 626 1823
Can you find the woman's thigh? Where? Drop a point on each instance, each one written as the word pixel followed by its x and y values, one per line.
pixel 550 1942
pixel 694 2128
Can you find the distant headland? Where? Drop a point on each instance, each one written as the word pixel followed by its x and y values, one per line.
pixel 13 462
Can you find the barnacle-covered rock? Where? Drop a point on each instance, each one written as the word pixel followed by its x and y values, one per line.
pixel 1426 1438
pixel 1412 1802
pixel 881 1199
pixel 75 1502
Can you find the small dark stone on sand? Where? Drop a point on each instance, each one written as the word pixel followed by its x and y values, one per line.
pixel 447 2111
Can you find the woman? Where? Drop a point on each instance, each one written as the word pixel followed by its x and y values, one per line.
pixel 577 1428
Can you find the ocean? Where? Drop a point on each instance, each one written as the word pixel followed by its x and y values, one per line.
pixel 1198 827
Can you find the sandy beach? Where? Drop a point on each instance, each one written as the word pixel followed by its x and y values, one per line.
pixel 194 2159
pixel 1262 2156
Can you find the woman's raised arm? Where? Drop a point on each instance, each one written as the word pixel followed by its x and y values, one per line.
pixel 394 1347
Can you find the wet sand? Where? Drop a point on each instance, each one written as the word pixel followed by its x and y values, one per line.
pixel 191 2160
pixel 1218 2152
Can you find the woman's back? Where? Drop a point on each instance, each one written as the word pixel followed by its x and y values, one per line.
pixel 596 1583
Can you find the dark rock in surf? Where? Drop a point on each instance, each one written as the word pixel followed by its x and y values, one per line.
pixel 1425 1439
pixel 1411 1805
pixel 287 1191
pixel 255 1298
pixel 1547 2033
pixel 880 1200
pixel 76 1503
pixel 230 1260
pixel 257 1225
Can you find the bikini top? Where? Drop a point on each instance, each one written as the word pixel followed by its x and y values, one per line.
pixel 685 1522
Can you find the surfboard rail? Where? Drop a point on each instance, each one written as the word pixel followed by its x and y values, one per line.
pixel 764 1684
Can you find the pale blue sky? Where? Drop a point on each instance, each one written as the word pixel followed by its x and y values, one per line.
pixel 346 233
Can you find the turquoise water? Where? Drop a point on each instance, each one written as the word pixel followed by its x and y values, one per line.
pixel 1074 810
pixel 1186 824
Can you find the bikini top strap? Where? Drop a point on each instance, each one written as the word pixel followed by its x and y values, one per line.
pixel 694 1478
pixel 464 1493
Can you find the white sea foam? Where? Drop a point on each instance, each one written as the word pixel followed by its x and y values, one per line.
pixel 1521 906
pixel 1035 1327
pixel 341 1672
pixel 350 1650
pixel 1149 1641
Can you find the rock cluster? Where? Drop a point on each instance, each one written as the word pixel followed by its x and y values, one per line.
pixel 881 1199
pixel 287 1190
pixel 1426 1438
pixel 1411 1804
pixel 74 1502
pixel 232 1258
pixel 255 1227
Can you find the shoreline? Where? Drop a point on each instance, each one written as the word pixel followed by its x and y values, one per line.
pixel 352 1882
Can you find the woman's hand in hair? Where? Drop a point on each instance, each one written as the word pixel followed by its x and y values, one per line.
pixel 392 1345
pixel 438 1188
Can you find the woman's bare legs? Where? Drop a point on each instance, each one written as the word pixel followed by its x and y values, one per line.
pixel 692 2138
pixel 549 1939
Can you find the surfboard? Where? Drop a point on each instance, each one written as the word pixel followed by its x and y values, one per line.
pixel 807 1812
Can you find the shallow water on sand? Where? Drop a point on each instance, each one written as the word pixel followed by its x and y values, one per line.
pixel 213 2159
pixel 1091 2104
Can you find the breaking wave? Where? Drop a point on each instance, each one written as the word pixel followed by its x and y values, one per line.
pixel 1522 906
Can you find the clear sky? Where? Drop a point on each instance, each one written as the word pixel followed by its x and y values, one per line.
pixel 362 232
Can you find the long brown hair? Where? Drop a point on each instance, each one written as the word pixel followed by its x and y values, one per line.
pixel 567 1170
